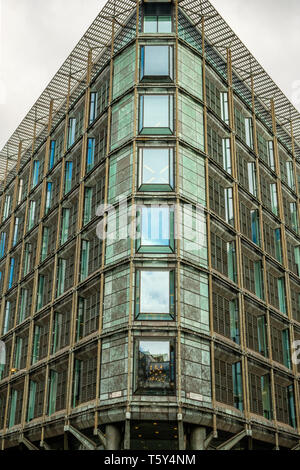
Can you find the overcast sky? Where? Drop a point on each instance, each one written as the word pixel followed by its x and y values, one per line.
pixel 36 36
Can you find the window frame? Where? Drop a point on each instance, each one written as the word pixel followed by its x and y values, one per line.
pixel 170 390
pixel 140 248
pixel 156 186
pixel 141 316
pixel 156 77
pixel 156 130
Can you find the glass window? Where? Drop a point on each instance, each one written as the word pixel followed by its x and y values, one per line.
pixel 6 317
pixel 234 321
pixel 229 206
pixel 65 225
pixel 297 259
pixel 155 368
pixel 48 196
pixel 90 157
pixel 286 348
pixel 291 401
pixel 84 262
pixel 224 107
pixel 32 207
pixel 294 216
pixel 93 106
pixel 155 230
pixel 31 400
pixel 2 244
pixel 155 295
pixel 157 24
pixel 23 305
pixel 156 169
pixel 52 154
pixel 52 391
pixel 19 344
pixel 78 367
pixel 249 132
pixel 290 175
pixel 258 279
pixel 20 192
pixel 40 293
pixel 36 344
pixel 68 176
pixel 274 200
pixel 277 240
pixel 226 155
pixel 266 396
pixel 156 62
pixel 71 131
pixel 255 227
pixel 6 209
pixel 252 179
pixel 45 239
pixel 88 201
pixel 61 276
pixel 237 385
pixel 13 407
pixel 11 273
pixel 271 154
pixel 261 335
pixel 281 294
pixel 231 260
pixel 156 114
pixel 35 176
pixel 57 330
pixel 16 231
pixel 27 258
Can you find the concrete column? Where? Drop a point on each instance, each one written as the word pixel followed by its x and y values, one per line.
pixel 113 437
pixel 197 438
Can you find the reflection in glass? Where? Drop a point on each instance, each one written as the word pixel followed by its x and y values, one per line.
pixel 156 368
pixel 155 226
pixel 155 295
pixel 155 288
pixel 156 114
pixel 157 24
pixel 156 168
pixel 156 61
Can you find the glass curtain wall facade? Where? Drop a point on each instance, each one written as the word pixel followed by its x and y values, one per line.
pixel 179 322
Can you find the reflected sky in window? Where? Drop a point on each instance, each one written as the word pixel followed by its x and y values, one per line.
pixel 155 166
pixel 155 226
pixel 156 60
pixel 155 291
pixel 156 111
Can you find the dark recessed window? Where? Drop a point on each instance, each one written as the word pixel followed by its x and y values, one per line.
pixel 155 367
pixel 155 230
pixel 154 298
pixel 156 169
pixel 156 63
pixel 156 114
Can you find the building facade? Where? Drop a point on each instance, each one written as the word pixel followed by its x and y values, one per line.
pixel 150 244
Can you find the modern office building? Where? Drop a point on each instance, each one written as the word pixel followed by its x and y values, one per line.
pixel 175 330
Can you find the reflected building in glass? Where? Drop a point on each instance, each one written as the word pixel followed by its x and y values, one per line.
pixel 150 244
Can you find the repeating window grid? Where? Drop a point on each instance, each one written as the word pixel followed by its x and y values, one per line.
pixel 87 315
